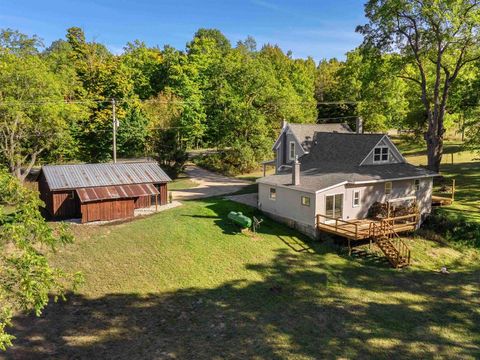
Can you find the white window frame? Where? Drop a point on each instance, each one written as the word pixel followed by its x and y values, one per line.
pixel 381 148
pixel 290 157
pixel 71 195
pixel 389 192
pixel 355 193
pixel 305 197
pixel 274 192
pixel 416 184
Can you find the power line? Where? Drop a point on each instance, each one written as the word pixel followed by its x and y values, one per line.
pixel 87 101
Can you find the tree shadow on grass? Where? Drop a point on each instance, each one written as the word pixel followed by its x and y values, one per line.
pixel 301 307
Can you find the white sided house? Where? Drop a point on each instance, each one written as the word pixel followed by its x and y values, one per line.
pixel 337 178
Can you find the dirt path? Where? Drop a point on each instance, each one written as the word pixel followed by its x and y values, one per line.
pixel 210 184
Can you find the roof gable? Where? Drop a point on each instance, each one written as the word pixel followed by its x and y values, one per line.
pixel 60 177
pixel 394 152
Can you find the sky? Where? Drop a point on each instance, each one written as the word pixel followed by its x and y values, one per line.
pixel 316 28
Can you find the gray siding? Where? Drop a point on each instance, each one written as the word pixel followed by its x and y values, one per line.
pixel 376 192
pixel 282 152
pixel 288 205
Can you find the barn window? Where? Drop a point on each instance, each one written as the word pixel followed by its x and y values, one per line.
pixel 305 201
pixel 273 193
pixel 71 195
pixel 388 188
pixel 380 154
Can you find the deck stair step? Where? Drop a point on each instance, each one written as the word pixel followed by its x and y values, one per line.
pixel 392 253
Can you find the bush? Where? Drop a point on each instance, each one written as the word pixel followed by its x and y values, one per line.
pixel 453 228
pixel 233 161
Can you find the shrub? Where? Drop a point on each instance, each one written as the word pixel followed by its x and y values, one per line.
pixel 453 228
pixel 233 161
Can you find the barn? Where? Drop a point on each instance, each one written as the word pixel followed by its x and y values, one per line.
pixel 100 192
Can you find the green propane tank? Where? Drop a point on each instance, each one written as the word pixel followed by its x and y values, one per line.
pixel 240 219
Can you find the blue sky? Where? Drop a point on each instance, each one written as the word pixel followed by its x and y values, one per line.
pixel 317 28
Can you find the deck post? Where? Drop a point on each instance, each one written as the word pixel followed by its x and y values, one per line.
pixel 349 248
pixel 453 190
pixel 156 202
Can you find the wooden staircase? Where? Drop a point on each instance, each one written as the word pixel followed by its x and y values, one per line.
pixel 392 246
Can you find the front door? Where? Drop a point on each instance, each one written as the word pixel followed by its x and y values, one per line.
pixel 334 206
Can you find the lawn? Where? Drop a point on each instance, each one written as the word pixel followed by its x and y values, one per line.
pixel 465 169
pixel 186 284
pixel 182 182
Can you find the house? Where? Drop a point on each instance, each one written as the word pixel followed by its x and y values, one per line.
pixel 332 186
pixel 96 192
pixel 296 140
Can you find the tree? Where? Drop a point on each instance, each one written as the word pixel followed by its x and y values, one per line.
pixel 33 111
pixel 19 44
pixel 440 35
pixel 27 279
pixel 145 65
pixel 103 77
pixel 221 42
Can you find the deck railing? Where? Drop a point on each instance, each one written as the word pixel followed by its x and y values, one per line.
pixel 335 222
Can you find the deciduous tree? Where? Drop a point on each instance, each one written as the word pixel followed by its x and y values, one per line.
pixel 441 34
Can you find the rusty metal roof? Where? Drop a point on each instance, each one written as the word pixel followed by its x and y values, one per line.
pixel 62 177
pixel 115 192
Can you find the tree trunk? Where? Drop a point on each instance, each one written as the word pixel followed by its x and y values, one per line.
pixel 434 139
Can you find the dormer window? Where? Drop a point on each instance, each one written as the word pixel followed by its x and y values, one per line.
pixel 380 154
pixel 292 150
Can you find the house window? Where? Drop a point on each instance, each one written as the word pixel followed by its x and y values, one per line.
pixel 292 151
pixel 305 201
pixel 380 154
pixel 388 188
pixel 356 198
pixel 273 194
pixel 416 184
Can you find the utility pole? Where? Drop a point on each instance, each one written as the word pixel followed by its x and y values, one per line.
pixel 114 132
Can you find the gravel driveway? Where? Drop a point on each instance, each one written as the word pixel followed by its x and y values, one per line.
pixel 210 184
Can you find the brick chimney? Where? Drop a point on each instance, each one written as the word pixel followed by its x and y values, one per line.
pixel 359 125
pixel 296 172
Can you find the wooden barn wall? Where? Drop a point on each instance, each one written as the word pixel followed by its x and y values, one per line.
pixel 163 197
pixel 144 202
pixel 66 204
pixel 45 195
pixel 147 201
pixel 107 210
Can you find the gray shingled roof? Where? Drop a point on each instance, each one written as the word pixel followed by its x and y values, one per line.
pixel 349 148
pixel 60 177
pixel 305 133
pixel 327 175
pixel 336 158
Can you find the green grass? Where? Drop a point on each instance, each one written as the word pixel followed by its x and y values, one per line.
pixel 186 284
pixel 182 182
pixel 465 169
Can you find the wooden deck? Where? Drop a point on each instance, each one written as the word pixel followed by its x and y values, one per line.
pixel 441 201
pixel 360 229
